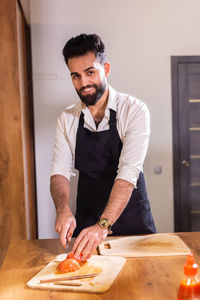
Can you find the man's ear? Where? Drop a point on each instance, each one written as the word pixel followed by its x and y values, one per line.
pixel 107 69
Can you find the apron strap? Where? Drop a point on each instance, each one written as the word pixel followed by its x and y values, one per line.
pixel 81 120
pixel 112 120
pixel 114 134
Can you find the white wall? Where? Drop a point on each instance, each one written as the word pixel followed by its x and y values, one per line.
pixel 140 36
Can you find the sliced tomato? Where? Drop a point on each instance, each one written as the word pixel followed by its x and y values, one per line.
pixel 68 265
pixel 79 260
pixel 70 255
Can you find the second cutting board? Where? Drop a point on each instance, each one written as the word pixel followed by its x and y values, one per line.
pixel 148 245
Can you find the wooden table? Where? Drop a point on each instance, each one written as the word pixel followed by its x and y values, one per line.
pixel 149 278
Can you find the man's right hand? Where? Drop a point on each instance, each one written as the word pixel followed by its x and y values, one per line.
pixel 65 225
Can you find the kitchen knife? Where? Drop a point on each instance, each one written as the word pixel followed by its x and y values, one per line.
pixel 67 247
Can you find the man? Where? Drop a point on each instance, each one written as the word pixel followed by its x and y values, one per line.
pixel 105 136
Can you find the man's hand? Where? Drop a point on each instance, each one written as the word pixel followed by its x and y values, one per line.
pixel 88 240
pixel 65 225
pixel 65 222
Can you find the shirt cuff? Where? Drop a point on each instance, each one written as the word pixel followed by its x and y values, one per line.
pixel 59 172
pixel 129 174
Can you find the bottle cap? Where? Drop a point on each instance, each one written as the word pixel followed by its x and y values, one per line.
pixel 190 267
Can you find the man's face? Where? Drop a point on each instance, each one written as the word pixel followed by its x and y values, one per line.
pixel 88 77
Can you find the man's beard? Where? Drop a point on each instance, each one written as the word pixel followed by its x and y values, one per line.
pixel 91 99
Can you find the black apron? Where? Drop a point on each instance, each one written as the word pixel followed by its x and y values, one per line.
pixel 96 158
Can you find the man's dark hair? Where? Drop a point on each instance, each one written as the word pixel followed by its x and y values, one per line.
pixel 83 44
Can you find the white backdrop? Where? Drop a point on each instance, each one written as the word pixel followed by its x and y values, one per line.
pixel 140 36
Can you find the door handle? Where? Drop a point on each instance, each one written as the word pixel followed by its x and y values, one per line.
pixel 185 163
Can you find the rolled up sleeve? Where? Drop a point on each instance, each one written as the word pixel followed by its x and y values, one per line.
pixel 62 162
pixel 135 144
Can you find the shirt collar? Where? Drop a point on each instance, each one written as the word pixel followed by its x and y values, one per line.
pixel 112 97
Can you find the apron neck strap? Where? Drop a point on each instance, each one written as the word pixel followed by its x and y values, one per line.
pixel 112 121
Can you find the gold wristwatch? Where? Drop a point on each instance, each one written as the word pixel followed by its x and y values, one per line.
pixel 105 223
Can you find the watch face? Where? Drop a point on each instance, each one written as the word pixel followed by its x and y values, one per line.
pixel 104 222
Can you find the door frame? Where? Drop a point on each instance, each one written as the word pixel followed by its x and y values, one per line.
pixel 178 207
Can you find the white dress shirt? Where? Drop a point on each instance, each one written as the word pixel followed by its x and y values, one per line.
pixel 133 125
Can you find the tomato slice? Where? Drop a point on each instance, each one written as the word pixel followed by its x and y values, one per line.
pixel 79 260
pixel 68 265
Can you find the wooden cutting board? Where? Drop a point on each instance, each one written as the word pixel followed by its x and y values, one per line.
pixel 148 245
pixel 107 268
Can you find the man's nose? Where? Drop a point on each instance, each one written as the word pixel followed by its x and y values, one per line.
pixel 84 81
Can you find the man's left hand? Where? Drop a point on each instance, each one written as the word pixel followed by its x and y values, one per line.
pixel 88 240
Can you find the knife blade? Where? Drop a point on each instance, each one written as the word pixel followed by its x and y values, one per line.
pixel 67 247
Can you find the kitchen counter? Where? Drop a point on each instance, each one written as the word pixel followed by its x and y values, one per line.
pixel 148 278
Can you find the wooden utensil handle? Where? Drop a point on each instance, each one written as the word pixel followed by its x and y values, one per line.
pixel 67 283
pixel 67 278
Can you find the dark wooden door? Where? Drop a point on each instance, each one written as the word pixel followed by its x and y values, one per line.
pixel 186 141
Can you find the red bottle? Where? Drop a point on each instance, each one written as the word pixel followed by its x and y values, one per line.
pixel 189 288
